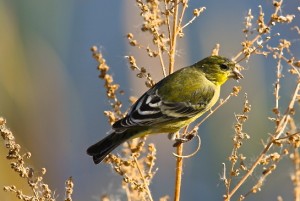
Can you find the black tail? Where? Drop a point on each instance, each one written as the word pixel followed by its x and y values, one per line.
pixel 102 148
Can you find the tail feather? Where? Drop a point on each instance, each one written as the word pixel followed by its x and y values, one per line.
pixel 102 148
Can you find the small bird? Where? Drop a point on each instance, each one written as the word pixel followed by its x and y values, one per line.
pixel 172 103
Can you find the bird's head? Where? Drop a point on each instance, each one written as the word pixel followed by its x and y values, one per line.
pixel 219 69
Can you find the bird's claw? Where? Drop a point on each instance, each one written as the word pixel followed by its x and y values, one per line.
pixel 184 139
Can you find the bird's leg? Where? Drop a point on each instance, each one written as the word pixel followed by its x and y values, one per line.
pixel 186 137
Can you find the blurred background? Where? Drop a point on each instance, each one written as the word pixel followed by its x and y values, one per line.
pixel 53 101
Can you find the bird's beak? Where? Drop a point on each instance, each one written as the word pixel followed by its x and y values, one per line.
pixel 235 74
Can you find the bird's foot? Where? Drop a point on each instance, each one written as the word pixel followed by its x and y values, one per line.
pixel 185 138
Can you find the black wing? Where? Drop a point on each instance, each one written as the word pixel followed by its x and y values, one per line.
pixel 151 109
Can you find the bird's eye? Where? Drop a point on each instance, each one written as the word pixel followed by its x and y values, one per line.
pixel 224 67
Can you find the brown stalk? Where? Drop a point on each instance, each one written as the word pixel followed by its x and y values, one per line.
pixel 173 39
pixel 179 151
pixel 214 110
pixel 146 184
pixel 178 178
pixel 179 164
pixel 296 179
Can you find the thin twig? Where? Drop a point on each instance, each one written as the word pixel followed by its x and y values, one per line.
pixel 173 39
pixel 146 184
pixel 161 60
pixel 296 69
pixel 269 24
pixel 241 52
pixel 182 14
pixel 288 136
pixel 277 87
pixel 189 22
pixel 296 179
pixel 159 45
pixel 168 19
pixel 278 132
pixel 215 109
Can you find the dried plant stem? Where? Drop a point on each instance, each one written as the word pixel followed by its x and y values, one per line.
pixel 277 86
pixel 279 130
pixel 296 180
pixel 257 161
pixel 241 52
pixel 189 22
pixel 296 160
pixel 179 164
pixel 173 39
pixel 162 62
pixel 182 13
pixel 215 109
pixel 168 19
pixel 146 183
pixel 179 160
pixel 269 24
